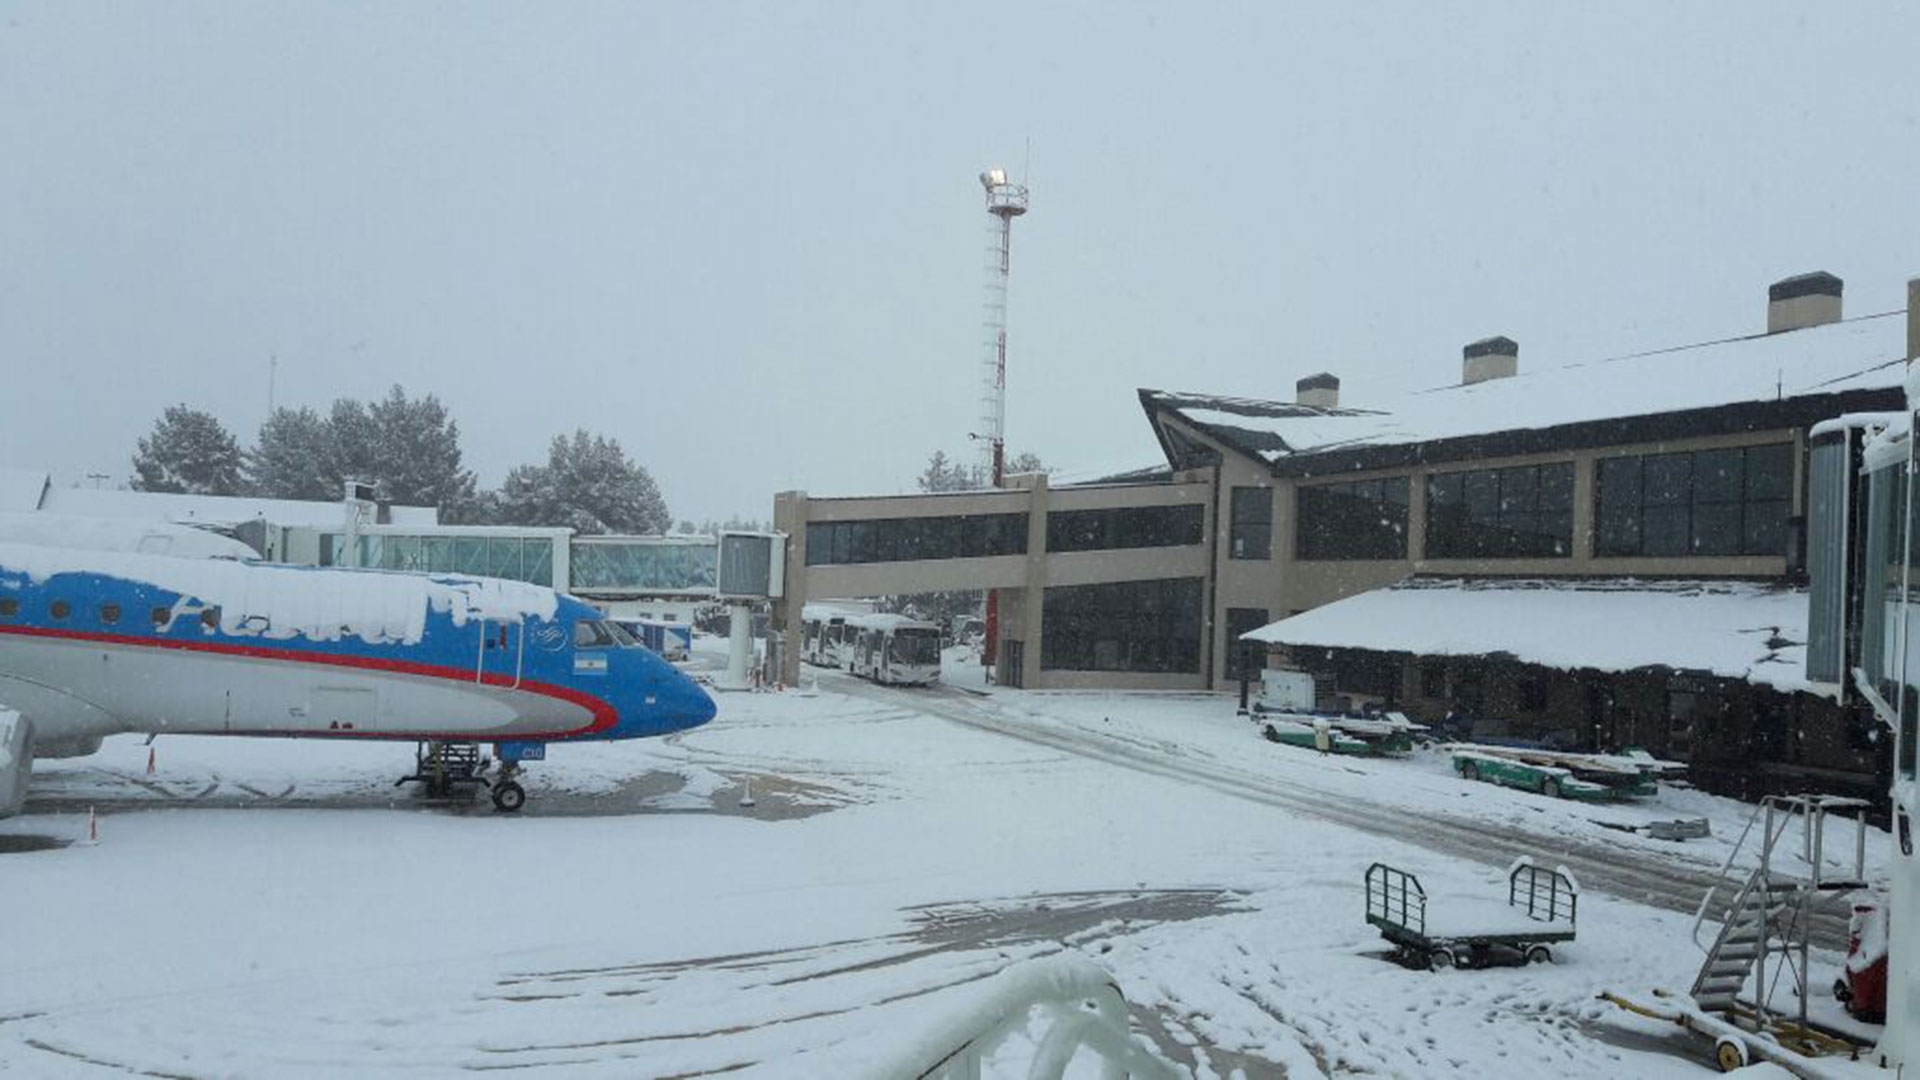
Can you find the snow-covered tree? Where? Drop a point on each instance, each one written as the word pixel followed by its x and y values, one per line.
pixel 418 448
pixel 189 451
pixel 944 474
pixel 293 457
pixel 948 474
pixel 409 449
pixel 588 483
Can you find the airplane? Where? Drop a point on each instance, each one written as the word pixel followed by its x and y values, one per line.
pixel 99 642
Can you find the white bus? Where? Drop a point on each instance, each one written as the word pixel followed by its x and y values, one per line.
pixel 826 640
pixel 895 649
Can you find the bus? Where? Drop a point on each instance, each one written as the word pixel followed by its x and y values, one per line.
pixel 826 641
pixel 895 649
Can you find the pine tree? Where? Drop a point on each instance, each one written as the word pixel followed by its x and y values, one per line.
pixel 419 454
pixel 189 451
pixel 589 484
pixel 943 474
pixel 292 458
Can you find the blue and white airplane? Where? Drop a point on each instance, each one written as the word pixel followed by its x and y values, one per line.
pixel 97 643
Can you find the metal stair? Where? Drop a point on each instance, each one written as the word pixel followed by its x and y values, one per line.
pixel 1764 930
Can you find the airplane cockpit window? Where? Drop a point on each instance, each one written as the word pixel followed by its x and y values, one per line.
pixel 590 634
pixel 622 636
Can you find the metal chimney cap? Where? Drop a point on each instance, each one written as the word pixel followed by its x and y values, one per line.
pixel 1817 283
pixel 1493 346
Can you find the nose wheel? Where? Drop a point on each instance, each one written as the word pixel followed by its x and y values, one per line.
pixel 508 795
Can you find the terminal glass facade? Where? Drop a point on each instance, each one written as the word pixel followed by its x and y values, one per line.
pixel 1114 527
pixel 971 536
pixel 1360 519
pixel 1524 512
pixel 1707 502
pixel 1144 626
pixel 644 566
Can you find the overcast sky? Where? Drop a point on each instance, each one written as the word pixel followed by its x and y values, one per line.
pixel 745 240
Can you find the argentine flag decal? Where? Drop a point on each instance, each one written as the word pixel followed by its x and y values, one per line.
pixel 586 664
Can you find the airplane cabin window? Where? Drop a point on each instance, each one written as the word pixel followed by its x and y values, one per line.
pixel 9 607
pixel 60 609
pixel 110 614
pixel 210 618
pixel 161 616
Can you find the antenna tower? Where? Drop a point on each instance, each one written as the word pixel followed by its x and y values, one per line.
pixel 1005 201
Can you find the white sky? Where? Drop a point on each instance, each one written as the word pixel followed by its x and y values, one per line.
pixel 746 239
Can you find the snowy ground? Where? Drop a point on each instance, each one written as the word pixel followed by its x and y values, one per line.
pixel 265 908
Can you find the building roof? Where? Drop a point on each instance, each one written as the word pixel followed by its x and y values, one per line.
pixel 1734 629
pixel 217 510
pixel 1745 383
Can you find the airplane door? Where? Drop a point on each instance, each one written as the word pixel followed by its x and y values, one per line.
pixel 502 651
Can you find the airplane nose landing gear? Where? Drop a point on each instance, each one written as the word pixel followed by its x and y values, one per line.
pixel 508 795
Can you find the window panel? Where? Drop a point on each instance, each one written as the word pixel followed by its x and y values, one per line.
pixel 1770 472
pixel 1151 626
pixel 1716 529
pixel 1501 513
pixel 1663 531
pixel 1665 479
pixel 1708 502
pixel 1764 531
pixel 1363 520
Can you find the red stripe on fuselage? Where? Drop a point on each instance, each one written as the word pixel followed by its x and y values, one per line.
pixel 605 717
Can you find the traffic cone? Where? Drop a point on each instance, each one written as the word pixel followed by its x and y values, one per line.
pixel 150 752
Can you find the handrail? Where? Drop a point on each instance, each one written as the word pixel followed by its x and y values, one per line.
pixel 1391 879
pixel 1062 986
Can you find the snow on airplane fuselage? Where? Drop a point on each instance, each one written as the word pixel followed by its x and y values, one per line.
pixel 97 643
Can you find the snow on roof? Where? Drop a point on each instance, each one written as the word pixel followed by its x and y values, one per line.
pixel 214 509
pixel 1855 354
pixel 154 537
pixel 889 621
pixel 1143 472
pixel 22 489
pixel 279 602
pixel 1736 629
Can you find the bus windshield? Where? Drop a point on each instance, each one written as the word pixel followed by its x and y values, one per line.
pixel 915 646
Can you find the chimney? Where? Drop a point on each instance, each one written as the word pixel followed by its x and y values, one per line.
pixel 1490 358
pixel 1803 300
pixel 1321 391
pixel 1913 318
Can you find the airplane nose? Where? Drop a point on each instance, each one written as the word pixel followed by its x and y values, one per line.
pixel 699 706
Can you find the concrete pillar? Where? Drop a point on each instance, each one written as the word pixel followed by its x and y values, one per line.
pixel 790 517
pixel 1032 597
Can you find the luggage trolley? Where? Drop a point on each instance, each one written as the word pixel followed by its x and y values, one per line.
pixel 1539 912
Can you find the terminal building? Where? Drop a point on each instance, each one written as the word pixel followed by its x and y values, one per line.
pixel 1651 474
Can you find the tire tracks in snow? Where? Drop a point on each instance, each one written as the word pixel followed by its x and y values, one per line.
pixel 1611 869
